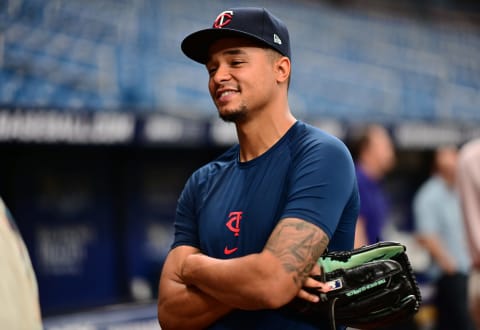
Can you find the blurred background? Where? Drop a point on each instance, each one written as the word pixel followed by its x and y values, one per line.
pixel 102 119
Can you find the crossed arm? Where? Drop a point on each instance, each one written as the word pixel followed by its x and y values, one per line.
pixel 196 290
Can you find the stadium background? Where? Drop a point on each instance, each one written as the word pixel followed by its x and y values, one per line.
pixel 102 119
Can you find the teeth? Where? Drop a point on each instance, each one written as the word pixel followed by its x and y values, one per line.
pixel 226 93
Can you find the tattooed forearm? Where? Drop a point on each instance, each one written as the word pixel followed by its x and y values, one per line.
pixel 298 244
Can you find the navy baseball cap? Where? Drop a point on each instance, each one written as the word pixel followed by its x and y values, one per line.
pixel 253 23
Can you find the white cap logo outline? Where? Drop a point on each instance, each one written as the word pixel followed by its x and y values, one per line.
pixel 224 18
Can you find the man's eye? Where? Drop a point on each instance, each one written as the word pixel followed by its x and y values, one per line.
pixel 237 62
pixel 211 71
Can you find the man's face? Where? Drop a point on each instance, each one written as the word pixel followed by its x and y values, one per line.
pixel 241 78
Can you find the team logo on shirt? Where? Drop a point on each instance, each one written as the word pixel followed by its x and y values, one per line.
pixel 233 224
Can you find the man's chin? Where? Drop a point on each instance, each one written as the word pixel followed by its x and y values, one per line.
pixel 233 116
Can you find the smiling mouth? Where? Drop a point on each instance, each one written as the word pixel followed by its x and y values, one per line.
pixel 224 96
pixel 225 93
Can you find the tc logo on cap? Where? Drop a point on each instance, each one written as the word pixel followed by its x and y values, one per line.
pixel 223 19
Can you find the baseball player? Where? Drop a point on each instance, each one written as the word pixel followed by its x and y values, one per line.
pixel 251 224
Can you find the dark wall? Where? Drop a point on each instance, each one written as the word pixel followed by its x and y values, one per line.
pixel 97 220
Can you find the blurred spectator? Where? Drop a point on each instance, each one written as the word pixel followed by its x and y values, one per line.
pixel 374 157
pixel 19 304
pixel 439 228
pixel 469 187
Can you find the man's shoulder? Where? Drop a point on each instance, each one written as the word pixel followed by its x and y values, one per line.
pixel 224 160
pixel 327 153
pixel 430 190
pixel 309 135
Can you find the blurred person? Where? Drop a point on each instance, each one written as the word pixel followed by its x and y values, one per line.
pixel 469 188
pixel 374 157
pixel 251 224
pixel 19 303
pixel 439 228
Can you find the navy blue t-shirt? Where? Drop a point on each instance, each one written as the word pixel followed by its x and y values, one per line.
pixel 229 208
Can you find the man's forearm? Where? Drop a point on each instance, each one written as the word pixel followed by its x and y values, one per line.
pixel 265 280
pixel 251 282
pixel 186 307
pixel 181 306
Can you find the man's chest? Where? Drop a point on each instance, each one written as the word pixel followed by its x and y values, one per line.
pixel 239 213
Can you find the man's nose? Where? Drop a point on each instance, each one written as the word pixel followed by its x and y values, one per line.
pixel 222 73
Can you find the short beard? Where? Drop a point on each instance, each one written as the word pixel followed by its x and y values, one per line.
pixel 236 116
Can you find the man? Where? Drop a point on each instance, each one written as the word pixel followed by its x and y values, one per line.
pixel 469 187
pixel 374 157
pixel 19 303
pixel 251 224
pixel 439 228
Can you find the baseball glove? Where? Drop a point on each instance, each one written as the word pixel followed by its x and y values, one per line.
pixel 372 286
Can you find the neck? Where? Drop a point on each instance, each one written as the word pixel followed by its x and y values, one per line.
pixel 260 134
pixel 371 169
pixel 448 178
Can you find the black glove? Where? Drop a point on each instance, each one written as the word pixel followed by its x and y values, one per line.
pixel 372 286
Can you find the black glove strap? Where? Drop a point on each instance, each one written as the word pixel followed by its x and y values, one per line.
pixel 331 306
pixel 332 314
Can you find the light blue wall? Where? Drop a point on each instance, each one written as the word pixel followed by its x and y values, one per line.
pixel 348 64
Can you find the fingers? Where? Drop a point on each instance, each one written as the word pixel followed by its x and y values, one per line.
pixel 302 294
pixel 311 283
pixel 320 286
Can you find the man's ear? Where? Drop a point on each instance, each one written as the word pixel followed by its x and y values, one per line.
pixel 282 68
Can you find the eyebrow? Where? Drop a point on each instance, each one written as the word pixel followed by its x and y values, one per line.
pixel 233 51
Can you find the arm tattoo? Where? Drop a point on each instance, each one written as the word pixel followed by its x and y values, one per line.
pixel 298 244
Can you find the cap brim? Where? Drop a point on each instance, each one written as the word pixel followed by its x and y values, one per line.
pixel 197 45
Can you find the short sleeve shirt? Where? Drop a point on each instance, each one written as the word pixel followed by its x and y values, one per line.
pixel 229 208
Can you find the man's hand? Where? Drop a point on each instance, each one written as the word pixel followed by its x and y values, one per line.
pixel 310 282
pixel 372 287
